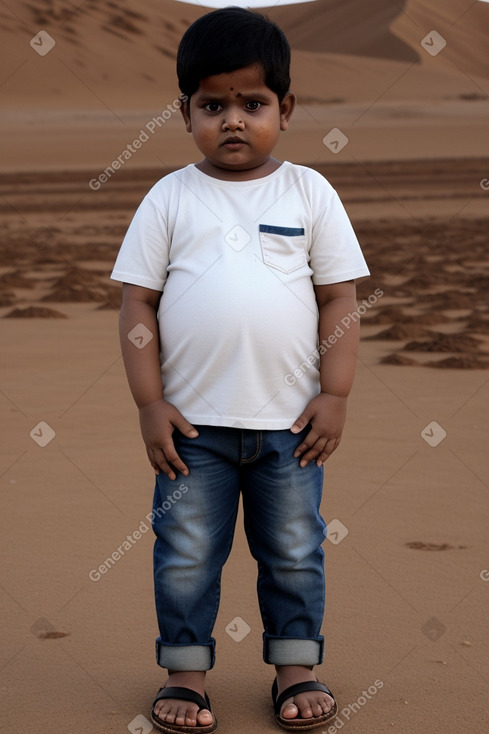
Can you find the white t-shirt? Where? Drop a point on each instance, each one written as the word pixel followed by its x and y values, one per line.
pixel 236 262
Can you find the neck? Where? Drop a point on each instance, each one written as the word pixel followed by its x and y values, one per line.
pixel 249 174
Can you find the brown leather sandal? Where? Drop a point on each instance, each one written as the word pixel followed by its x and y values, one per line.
pixel 300 724
pixel 182 694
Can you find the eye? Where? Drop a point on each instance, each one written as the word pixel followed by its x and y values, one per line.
pixel 253 105
pixel 212 107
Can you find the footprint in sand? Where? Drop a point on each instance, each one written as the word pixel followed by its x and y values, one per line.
pixel 52 635
pixel 419 545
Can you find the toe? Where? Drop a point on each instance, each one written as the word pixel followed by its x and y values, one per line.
pixel 317 709
pixel 181 714
pixel 189 720
pixel 306 712
pixel 289 710
pixel 204 717
pixel 326 704
pixel 161 709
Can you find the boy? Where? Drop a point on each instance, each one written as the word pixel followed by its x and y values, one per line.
pixel 234 269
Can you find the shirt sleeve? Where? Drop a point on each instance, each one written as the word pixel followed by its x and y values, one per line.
pixel 145 251
pixel 335 254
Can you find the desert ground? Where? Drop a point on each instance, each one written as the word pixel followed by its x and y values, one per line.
pixel 398 122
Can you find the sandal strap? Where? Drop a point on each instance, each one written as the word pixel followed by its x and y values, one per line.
pixel 291 691
pixel 183 694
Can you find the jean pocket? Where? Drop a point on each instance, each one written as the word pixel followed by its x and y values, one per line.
pixel 283 248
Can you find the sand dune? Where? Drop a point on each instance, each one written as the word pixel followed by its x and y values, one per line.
pixel 357 66
pixel 121 57
pixel 351 27
pixel 464 25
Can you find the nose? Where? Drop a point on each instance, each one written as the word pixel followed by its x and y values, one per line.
pixel 232 121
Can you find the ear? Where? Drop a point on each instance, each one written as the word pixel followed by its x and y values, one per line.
pixel 185 110
pixel 287 107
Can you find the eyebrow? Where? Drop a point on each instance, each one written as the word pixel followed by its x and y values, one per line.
pixel 213 97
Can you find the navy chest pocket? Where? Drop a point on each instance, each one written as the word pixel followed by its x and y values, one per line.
pixel 283 248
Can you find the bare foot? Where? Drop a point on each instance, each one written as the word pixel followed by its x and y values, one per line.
pixel 184 713
pixel 306 705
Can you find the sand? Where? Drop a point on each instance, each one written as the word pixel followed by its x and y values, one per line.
pixel 406 493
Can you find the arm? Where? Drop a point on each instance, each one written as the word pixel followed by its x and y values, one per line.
pixel 327 411
pixel 158 418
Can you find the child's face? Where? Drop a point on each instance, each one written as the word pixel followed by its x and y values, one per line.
pixel 236 120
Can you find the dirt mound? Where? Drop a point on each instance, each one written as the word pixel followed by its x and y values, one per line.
pixel 15 279
pixel 34 312
pixel 73 294
pixel 459 343
pixel 112 301
pixel 478 322
pixel 466 362
pixel 450 300
pixel 432 318
pixel 76 286
pixel 7 298
pixel 401 332
pixel 387 315
pixel 398 359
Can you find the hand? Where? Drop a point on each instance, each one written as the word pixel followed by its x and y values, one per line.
pixel 158 420
pixel 326 414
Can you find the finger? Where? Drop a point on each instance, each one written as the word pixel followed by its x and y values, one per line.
pixel 152 460
pixel 302 448
pixel 172 459
pixel 165 467
pixel 313 453
pixel 307 443
pixel 331 446
pixel 300 423
pixel 185 427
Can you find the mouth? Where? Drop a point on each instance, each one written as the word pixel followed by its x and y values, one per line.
pixel 233 143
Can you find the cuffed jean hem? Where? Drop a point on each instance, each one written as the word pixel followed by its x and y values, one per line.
pixel 185 657
pixel 293 650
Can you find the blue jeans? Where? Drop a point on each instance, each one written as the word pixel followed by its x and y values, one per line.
pixel 194 519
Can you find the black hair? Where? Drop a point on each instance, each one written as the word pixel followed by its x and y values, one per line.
pixel 231 38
